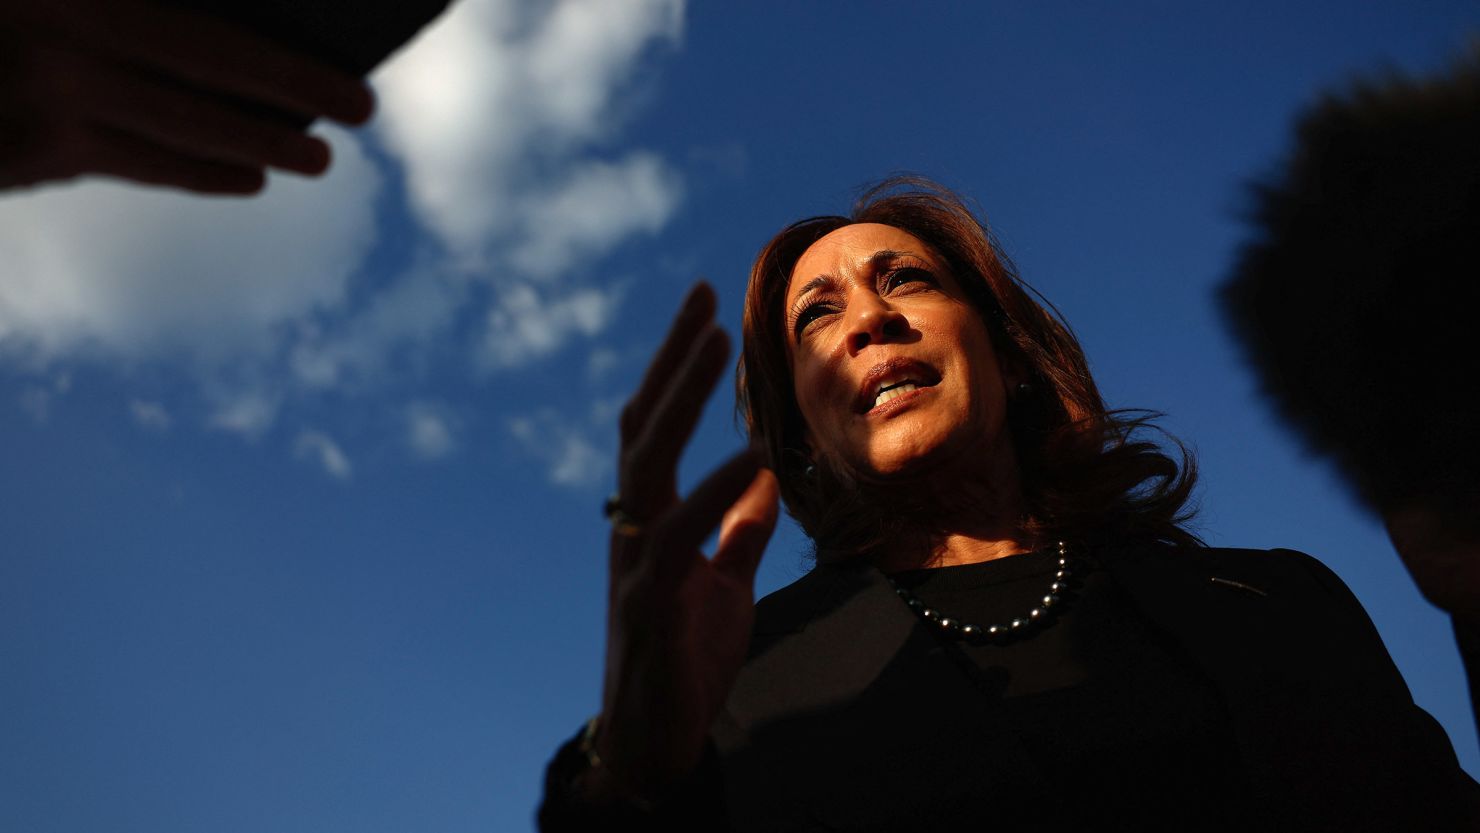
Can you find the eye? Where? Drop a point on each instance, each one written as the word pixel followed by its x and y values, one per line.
pixel 810 313
pixel 906 275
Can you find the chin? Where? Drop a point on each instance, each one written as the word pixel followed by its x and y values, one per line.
pixel 896 464
pixel 918 452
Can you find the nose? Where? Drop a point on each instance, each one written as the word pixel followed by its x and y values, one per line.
pixel 873 321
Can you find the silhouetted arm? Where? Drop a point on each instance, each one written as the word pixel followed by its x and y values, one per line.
pixel 1439 542
pixel 1468 638
pixel 139 91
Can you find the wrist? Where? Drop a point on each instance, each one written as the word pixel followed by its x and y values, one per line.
pixel 598 782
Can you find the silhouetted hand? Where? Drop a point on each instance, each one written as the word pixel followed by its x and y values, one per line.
pixel 1439 542
pixel 679 623
pixel 131 89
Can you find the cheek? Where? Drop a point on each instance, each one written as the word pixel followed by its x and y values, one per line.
pixel 977 343
pixel 985 389
pixel 806 384
pixel 825 406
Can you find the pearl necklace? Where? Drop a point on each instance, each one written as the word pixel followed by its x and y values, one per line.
pixel 952 627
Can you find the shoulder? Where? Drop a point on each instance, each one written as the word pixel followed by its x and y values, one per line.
pixel 1281 633
pixel 1284 588
pixel 1285 591
pixel 791 607
pixel 1271 570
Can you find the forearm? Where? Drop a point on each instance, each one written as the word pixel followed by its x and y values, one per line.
pixel 1467 636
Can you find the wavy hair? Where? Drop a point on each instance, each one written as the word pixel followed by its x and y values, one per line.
pixel 1086 474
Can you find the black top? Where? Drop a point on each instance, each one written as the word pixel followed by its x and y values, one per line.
pixel 1097 703
pixel 1176 689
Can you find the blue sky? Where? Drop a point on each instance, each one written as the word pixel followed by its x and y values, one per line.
pixel 299 506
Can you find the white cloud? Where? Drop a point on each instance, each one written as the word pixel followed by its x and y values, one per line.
pixel 524 325
pixel 497 95
pixel 107 269
pixel 429 431
pixel 577 462
pixel 570 456
pixel 598 205
pixel 415 311
pixel 321 448
pixel 150 415
pixel 247 411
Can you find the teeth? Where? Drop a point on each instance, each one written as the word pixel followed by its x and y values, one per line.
pixel 893 393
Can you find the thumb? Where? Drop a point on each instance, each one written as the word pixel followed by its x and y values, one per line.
pixel 747 527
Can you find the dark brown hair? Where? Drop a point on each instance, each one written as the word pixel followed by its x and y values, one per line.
pixel 1083 476
pixel 1354 295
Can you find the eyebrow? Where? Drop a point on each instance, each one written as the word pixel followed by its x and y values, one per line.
pixel 875 262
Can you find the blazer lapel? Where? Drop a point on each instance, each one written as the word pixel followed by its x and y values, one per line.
pixel 851 628
pixel 1301 681
pixel 853 714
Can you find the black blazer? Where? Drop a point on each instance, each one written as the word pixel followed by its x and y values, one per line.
pixel 838 721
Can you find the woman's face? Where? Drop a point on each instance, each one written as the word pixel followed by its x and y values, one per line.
pixel 893 368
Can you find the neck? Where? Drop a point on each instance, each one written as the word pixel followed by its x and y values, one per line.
pixel 952 548
pixel 962 521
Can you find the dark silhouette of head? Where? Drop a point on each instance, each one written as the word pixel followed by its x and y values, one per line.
pixel 1355 298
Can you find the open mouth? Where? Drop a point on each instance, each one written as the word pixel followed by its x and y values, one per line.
pixel 895 391
pixel 893 379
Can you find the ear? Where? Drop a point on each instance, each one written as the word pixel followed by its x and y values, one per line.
pixel 806 454
pixel 1014 373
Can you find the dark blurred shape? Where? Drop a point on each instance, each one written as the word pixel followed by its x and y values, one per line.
pixel 200 95
pixel 354 36
pixel 1356 298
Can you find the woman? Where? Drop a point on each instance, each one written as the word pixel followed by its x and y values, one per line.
pixel 1007 621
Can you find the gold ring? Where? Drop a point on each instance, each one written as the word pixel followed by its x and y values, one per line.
pixel 622 522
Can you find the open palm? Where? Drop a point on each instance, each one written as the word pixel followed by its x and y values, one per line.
pixel 679 622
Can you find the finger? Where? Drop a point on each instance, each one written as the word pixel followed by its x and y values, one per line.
pixel 197 124
pixel 221 57
pixel 747 527
pixel 118 154
pixel 677 536
pixel 696 311
pixel 649 466
pixel 31 152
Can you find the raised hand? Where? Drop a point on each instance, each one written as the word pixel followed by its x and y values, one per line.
pixel 1439 542
pixel 140 91
pixel 678 623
